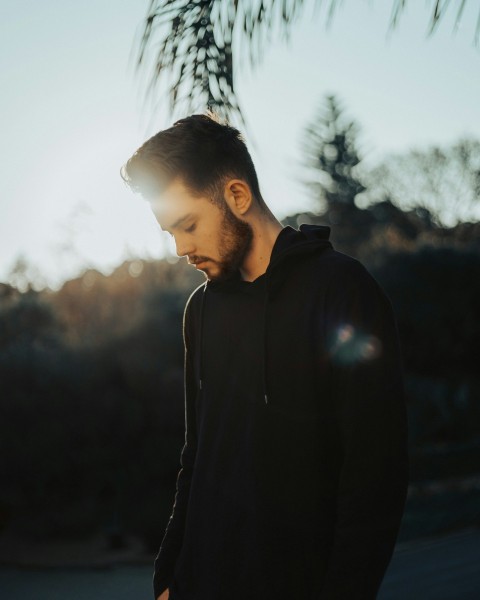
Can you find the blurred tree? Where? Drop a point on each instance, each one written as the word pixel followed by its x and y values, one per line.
pixel 24 276
pixel 330 150
pixel 194 42
pixel 29 320
pixel 444 182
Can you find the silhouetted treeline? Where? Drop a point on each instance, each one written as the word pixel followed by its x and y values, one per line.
pixel 92 413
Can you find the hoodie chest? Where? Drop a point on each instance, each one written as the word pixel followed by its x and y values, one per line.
pixel 232 346
pixel 296 363
pixel 254 345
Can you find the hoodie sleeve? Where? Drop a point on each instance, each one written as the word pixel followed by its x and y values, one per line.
pixel 171 544
pixel 371 420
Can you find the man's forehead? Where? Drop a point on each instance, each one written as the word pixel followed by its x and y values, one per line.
pixel 170 195
pixel 170 211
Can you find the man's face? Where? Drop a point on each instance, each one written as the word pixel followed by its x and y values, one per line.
pixel 213 238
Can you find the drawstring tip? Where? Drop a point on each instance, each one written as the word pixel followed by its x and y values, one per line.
pixel 266 399
pixel 200 383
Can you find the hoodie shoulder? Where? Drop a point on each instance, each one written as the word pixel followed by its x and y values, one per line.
pixel 340 259
pixel 349 277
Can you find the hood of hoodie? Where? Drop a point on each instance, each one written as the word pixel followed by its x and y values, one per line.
pixel 289 244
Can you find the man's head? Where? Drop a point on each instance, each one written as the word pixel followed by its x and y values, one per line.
pixel 202 168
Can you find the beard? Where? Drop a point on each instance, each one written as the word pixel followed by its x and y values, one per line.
pixel 235 242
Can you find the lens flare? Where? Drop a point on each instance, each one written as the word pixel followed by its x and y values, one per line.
pixel 350 345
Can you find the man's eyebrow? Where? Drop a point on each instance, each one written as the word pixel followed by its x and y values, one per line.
pixel 180 220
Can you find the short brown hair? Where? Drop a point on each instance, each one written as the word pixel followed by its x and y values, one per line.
pixel 199 149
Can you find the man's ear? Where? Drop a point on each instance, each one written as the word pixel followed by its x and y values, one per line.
pixel 238 196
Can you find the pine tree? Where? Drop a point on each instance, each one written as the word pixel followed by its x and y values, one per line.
pixel 331 155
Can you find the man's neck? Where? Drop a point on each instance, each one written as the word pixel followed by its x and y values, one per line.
pixel 264 237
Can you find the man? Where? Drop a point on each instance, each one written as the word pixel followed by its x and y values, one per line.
pixel 294 470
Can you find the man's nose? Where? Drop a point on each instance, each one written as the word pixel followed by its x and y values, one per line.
pixel 183 247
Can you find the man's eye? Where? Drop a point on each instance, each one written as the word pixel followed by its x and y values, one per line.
pixel 191 228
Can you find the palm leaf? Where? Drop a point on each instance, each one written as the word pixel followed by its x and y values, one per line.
pixel 195 44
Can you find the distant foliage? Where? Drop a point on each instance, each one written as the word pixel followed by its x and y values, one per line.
pixel 443 181
pixel 92 398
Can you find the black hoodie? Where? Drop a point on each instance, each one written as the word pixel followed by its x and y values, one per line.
pixel 294 470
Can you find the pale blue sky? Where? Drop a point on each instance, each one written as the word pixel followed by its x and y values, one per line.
pixel 71 114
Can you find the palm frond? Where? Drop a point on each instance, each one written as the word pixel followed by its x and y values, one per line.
pixel 196 44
